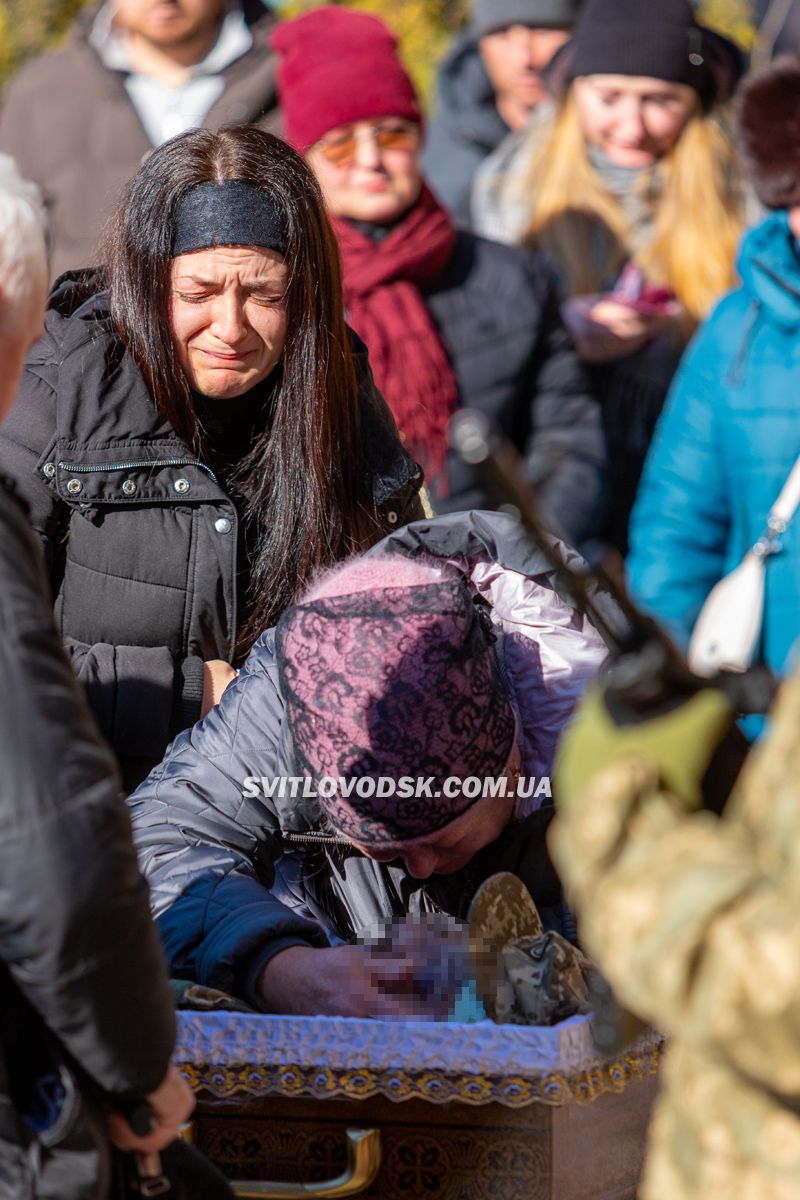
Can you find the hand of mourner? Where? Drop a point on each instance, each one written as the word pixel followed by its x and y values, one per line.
pixel 679 744
pixel 345 981
pixel 605 329
pixel 171 1105
pixel 217 674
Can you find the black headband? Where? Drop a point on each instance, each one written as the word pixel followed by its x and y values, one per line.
pixel 232 213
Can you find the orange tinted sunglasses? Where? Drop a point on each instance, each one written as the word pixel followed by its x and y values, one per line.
pixel 341 150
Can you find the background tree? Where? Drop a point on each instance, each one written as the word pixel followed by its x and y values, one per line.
pixel 29 26
pixel 424 27
pixel 731 17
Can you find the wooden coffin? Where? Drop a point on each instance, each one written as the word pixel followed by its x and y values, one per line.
pixel 336 1107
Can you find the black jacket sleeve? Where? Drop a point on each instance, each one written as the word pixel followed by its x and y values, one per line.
pixel 75 929
pixel 120 681
pixel 566 448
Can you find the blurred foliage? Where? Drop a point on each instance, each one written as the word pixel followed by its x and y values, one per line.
pixel 734 18
pixel 30 26
pixel 423 27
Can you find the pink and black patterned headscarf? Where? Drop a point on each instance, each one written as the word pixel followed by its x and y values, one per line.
pixel 387 670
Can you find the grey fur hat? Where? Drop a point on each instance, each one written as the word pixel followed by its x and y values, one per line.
pixel 489 16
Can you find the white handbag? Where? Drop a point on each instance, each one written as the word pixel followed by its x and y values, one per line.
pixel 727 630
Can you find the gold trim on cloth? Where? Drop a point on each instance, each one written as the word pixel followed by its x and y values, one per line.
pixel 438 1087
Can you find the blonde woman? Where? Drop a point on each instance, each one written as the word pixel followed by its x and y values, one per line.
pixel 630 185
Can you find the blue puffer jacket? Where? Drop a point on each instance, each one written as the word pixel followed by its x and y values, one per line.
pixel 724 446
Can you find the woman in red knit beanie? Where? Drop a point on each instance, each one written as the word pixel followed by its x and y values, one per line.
pixel 449 319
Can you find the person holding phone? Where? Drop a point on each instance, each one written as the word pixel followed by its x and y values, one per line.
pixel 630 185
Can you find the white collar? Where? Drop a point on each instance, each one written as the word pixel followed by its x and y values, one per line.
pixel 113 48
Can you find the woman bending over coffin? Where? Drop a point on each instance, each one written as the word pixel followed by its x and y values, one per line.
pixel 446 652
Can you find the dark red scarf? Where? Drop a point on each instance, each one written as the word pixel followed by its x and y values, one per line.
pixel 384 284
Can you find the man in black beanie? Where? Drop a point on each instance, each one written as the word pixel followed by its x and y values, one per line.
pixel 488 84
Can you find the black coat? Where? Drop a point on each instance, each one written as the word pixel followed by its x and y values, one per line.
pixel 77 946
pixel 496 309
pixel 234 876
pixel 140 538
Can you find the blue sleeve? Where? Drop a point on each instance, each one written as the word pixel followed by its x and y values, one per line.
pixel 680 523
pixel 208 846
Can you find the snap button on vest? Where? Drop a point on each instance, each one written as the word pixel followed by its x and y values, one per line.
pixel 223 525
pixel 181 486
pixel 129 487
pixel 74 486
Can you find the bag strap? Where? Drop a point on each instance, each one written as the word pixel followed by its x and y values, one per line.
pixel 785 506
pixel 780 515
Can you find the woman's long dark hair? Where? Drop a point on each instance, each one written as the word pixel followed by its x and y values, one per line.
pixel 304 495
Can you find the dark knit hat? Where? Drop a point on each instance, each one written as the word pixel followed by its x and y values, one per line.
pixel 661 40
pixel 489 16
pixel 388 673
pixel 769 128
pixel 338 66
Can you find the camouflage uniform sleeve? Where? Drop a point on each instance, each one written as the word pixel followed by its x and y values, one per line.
pixel 695 919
